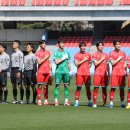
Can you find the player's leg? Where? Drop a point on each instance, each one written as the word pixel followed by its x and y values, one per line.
pixel 66 81
pixel 39 89
pixel 46 85
pixel 4 83
pixel 58 80
pixel 97 84
pixel 122 92
pixel 27 94
pixel 27 86
pixel 79 83
pixel 128 95
pixel 104 84
pixel 19 81
pixel 1 93
pixel 87 81
pixel 33 86
pixel 14 85
pixel 114 85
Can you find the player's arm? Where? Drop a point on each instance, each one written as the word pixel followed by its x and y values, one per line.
pixel 78 63
pixel 113 62
pixel 40 61
pixel 58 61
pixel 97 62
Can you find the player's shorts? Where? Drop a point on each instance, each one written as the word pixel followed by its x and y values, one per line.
pixel 80 79
pixel 118 81
pixel 29 78
pixel 14 78
pixel 129 81
pixel 43 78
pixel 100 81
pixel 3 78
pixel 59 77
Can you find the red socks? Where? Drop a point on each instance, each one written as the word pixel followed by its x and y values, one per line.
pixel 39 91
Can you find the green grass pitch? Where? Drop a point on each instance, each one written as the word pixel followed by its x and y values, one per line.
pixel 33 117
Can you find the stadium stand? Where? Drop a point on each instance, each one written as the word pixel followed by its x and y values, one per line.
pixel 13 2
pixel 93 2
pixel 50 2
pixel 63 2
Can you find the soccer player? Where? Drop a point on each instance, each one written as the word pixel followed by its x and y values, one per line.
pixel 101 73
pixel 44 72
pixel 128 96
pixel 62 72
pixel 16 71
pixel 118 61
pixel 83 63
pixel 4 66
pixel 30 69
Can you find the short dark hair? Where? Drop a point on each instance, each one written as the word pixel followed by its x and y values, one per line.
pixel 98 43
pixel 82 44
pixel 42 41
pixel 18 42
pixel 60 41
pixel 115 42
pixel 3 45
pixel 30 44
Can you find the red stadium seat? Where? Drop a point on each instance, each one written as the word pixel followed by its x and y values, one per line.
pixel 33 3
pixel 39 2
pixel 5 2
pixel 100 2
pixel 21 2
pixel 48 2
pixel 57 2
pixel 109 2
pixel 13 2
pixel 65 2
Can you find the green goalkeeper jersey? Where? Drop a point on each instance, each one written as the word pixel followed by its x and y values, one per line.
pixel 62 68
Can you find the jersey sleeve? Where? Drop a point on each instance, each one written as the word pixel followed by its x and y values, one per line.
pixel 111 56
pixel 68 55
pixel 37 54
pixel 124 55
pixel 20 61
pixel 128 62
pixel 94 57
pixel 76 57
pixel 7 59
pixel 56 57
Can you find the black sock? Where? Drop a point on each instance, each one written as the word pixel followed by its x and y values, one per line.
pixel 21 94
pixel 27 94
pixel 1 94
pixel 5 94
pixel 34 96
pixel 15 94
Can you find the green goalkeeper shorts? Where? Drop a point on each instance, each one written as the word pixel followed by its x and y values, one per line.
pixel 60 77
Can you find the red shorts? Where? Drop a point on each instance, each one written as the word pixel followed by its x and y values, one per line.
pixel 129 81
pixel 118 81
pixel 100 80
pixel 80 79
pixel 43 78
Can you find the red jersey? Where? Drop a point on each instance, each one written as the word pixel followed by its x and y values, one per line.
pixel 100 69
pixel 84 68
pixel 128 62
pixel 119 68
pixel 43 68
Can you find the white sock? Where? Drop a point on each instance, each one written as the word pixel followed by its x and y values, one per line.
pixel 56 100
pixel 129 104
pixel 66 100
pixel 45 100
pixel 122 103
pixel 76 101
pixel 111 102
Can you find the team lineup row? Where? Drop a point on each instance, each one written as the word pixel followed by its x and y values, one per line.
pixel 25 67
